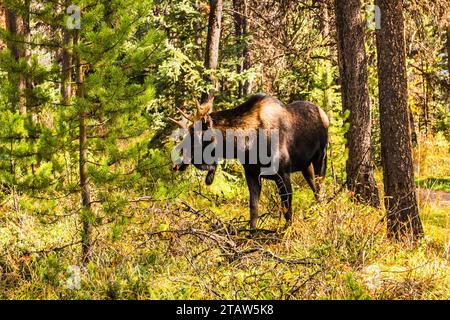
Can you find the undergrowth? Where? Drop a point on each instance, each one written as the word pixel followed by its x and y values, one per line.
pixel 191 242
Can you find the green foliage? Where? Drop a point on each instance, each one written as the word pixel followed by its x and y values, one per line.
pixel 164 235
pixel 355 291
pixel 442 184
pixel 352 259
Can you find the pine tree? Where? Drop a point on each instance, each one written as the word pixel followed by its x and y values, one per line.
pixel 100 126
pixel 241 25
pixel 400 196
pixel 111 58
pixel 355 98
pixel 212 44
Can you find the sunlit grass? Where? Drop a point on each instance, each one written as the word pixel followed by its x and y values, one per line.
pixel 442 184
pixel 352 258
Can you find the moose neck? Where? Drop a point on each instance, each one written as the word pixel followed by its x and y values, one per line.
pixel 238 138
pixel 233 120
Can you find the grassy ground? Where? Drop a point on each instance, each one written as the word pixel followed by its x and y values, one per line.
pixel 441 184
pixel 192 247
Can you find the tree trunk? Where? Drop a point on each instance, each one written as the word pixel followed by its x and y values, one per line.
pixel 326 30
pixel 26 101
pixel 86 236
pixel 11 22
pixel 240 8
pixel 66 69
pixel 448 47
pixel 66 62
pixel 412 127
pixel 198 34
pixel 400 197
pixel 15 26
pixel 2 25
pixel 247 87
pixel 212 43
pixel 327 104
pixel 425 96
pixel 238 34
pixel 355 98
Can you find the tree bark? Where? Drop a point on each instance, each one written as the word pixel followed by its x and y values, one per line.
pixel 86 236
pixel 12 26
pixel 448 46
pixel 240 8
pixel 400 197
pixel 198 34
pixel 238 34
pixel 412 127
pixel 15 26
pixel 326 29
pixel 2 25
pixel 26 100
pixel 247 87
pixel 66 69
pixel 327 105
pixel 355 98
pixel 212 44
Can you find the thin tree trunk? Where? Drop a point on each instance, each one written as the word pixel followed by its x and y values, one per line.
pixel 66 62
pixel 11 22
pixel 2 25
pixel 326 29
pixel 26 101
pixel 355 98
pixel 448 47
pixel 247 87
pixel 425 96
pixel 86 237
pixel 241 27
pixel 14 25
pixel 212 43
pixel 412 127
pixel 198 34
pixel 66 69
pixel 400 197
pixel 327 104
pixel 238 34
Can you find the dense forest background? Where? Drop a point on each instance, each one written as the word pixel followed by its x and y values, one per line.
pixel 89 205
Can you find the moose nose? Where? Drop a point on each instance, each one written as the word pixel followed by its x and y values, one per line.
pixel 179 167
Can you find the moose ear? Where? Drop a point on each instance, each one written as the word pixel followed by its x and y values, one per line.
pixel 204 108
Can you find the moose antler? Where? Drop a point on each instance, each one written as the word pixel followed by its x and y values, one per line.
pixel 185 115
pixel 182 124
pixel 202 110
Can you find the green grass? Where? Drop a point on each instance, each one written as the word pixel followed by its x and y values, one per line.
pixel 441 184
pixel 154 257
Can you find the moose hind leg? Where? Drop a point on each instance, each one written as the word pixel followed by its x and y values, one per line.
pixel 310 178
pixel 320 168
pixel 285 190
pixel 254 187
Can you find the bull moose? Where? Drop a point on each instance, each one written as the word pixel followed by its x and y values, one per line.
pixel 302 129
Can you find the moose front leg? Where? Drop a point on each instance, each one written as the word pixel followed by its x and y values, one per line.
pixel 285 190
pixel 254 188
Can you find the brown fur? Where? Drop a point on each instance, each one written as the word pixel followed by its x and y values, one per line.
pixel 303 134
pixel 325 120
pixel 264 114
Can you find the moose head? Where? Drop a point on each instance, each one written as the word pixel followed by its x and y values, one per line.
pixel 193 141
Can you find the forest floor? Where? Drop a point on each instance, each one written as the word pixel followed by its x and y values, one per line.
pixel 437 197
pixel 196 246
